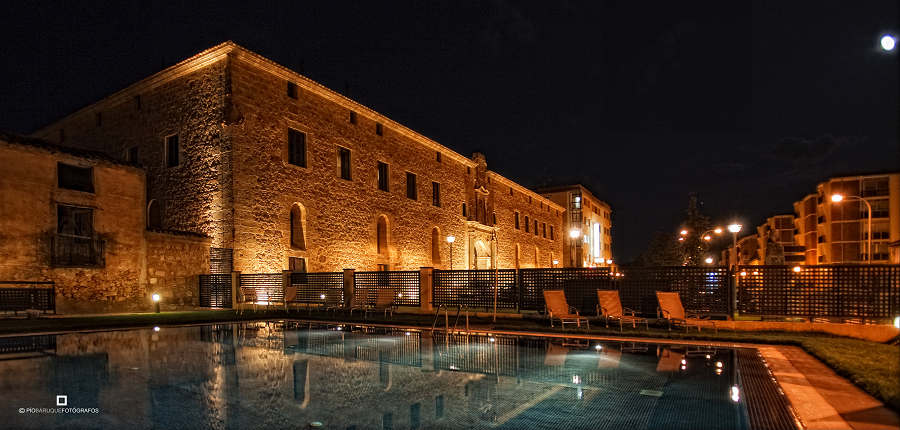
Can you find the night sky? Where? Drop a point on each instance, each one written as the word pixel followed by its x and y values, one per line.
pixel 745 105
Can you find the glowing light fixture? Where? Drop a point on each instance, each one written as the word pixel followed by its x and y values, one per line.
pixel 156 302
pixel 735 394
pixel 155 328
pixel 797 269
pixel 574 233
pixel 718 230
pixel 709 260
pixel 719 364
pixel 735 228
pixel 450 240
pixel 598 347
pixel 897 322
pixel 493 340
pixel 684 232
pixel 887 43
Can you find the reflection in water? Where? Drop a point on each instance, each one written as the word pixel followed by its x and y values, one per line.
pixel 293 375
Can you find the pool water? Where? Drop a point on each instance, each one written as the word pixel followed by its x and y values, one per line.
pixel 307 375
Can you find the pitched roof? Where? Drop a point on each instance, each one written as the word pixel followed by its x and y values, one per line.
pixel 57 148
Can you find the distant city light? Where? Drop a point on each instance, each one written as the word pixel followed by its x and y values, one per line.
pixel 683 232
pixel 887 42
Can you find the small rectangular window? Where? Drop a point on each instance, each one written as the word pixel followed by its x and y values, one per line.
pixel 464 209
pixel 379 129
pixel 551 232
pixel 527 224
pixel 411 190
pixel 131 155
pixel 297 264
pixel 352 117
pixel 438 157
pixel 172 149
pixel 75 178
pixel 494 218
pixel 544 229
pixel 296 148
pixel 436 194
pixel 292 90
pixel 517 220
pixel 98 117
pixel 344 163
pixel 383 178
pixel 535 227
pixel 137 102
pixel 415 412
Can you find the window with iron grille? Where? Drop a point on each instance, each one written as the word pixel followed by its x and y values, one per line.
pixel 296 148
pixel 74 243
pixel 172 148
pixel 383 178
pixel 343 156
pixel 411 190
pixel 75 177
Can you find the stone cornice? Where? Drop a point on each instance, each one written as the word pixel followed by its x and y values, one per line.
pixel 497 177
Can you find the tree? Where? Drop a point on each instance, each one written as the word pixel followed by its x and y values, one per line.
pixel 693 247
pixel 662 251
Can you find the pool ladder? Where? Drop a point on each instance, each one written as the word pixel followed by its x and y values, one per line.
pixel 447 317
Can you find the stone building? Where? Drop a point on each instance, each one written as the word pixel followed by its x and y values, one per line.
pixel 289 175
pixel 77 218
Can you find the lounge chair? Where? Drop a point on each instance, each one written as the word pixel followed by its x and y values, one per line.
pixel 671 309
pixel 360 301
pixel 610 307
pixel 248 296
pixel 332 301
pixel 384 301
pixel 559 309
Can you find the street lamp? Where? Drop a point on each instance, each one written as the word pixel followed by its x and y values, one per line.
pixel 837 198
pixel 734 229
pixel 450 240
pixel 709 260
pixel 574 233
pixel 156 302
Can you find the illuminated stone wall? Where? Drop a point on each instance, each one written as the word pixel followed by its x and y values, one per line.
pixel 29 198
pixel 174 262
pixel 231 110
pixel 510 198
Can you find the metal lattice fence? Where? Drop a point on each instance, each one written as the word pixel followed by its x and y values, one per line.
pixel 21 299
pixel 404 283
pixel 866 292
pixel 475 288
pixel 702 289
pixel 579 284
pixel 311 286
pixel 268 286
pixel 215 291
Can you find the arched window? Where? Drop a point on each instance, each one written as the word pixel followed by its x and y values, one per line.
pixel 154 215
pixel 435 247
pixel 381 236
pixel 298 226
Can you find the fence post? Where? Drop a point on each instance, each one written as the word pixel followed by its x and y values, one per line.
pixel 350 286
pixel 426 287
pixel 235 289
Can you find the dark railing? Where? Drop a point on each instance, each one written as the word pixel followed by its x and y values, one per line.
pixel 858 291
pixel 215 291
pixel 23 298
pixel 475 288
pixel 702 289
pixel 405 285
pixel 311 286
pixel 268 286
pixel 864 291
pixel 24 344
pixel 77 251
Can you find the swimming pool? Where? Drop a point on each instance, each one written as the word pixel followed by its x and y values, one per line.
pixel 300 375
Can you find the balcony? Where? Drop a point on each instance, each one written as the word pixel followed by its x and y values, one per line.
pixel 76 251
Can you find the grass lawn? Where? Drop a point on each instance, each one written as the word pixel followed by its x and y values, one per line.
pixel 872 366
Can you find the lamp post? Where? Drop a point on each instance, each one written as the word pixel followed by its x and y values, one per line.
pixel 734 229
pixel 450 240
pixel 574 233
pixel 837 198
pixel 156 302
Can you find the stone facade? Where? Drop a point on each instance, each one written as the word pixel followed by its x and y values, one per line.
pixel 238 181
pixel 592 218
pixel 102 265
